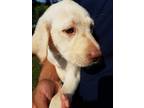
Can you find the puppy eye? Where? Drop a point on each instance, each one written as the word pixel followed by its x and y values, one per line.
pixel 70 30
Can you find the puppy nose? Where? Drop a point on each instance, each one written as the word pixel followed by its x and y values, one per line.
pixel 95 54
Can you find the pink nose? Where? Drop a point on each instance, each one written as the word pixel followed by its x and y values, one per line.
pixel 94 54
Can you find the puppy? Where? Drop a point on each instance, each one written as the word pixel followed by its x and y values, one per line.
pixel 63 37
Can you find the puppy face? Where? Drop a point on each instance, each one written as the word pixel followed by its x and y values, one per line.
pixel 70 31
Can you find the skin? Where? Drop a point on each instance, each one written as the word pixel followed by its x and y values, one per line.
pixel 47 86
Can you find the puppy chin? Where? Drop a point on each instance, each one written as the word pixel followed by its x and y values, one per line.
pixel 84 64
pixel 87 64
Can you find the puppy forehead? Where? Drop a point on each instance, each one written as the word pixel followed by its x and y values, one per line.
pixel 72 22
pixel 66 11
pixel 67 19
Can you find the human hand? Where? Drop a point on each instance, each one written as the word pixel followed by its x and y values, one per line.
pixel 43 94
pixel 65 101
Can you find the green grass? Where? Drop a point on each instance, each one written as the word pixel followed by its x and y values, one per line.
pixel 37 11
pixel 36 67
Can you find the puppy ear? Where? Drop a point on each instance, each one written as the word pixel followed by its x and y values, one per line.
pixel 40 40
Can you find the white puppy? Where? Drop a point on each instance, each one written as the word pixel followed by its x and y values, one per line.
pixel 63 36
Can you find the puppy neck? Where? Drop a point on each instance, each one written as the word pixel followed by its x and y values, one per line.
pixel 56 59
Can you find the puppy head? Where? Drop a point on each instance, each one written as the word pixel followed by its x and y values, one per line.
pixel 69 26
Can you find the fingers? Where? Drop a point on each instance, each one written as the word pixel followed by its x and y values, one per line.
pixel 33 105
pixel 43 94
pixel 40 100
pixel 64 101
pixel 46 87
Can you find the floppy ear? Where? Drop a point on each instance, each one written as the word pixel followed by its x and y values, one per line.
pixel 40 40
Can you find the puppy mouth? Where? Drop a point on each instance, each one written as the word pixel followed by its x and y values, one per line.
pixel 91 63
pixel 95 65
pixel 94 62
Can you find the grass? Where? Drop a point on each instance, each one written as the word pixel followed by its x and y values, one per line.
pixel 36 67
pixel 37 11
